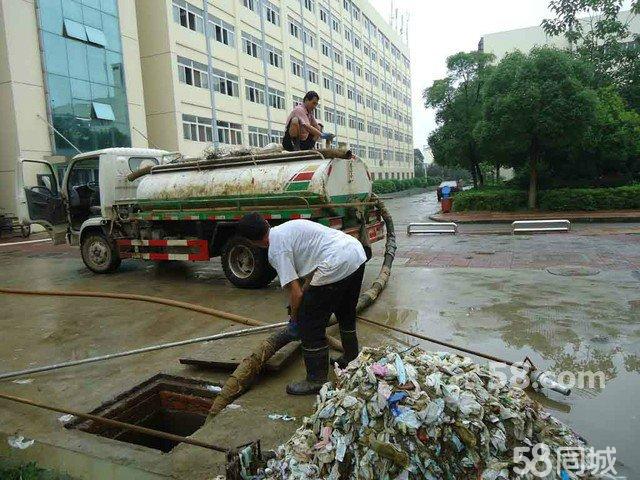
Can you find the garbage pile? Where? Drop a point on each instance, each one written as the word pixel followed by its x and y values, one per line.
pixel 416 414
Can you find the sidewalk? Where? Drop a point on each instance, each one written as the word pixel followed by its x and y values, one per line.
pixel 508 217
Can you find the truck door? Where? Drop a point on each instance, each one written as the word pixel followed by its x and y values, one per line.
pixel 38 198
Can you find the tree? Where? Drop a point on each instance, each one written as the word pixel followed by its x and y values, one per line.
pixel 458 103
pixel 597 32
pixel 418 163
pixel 535 106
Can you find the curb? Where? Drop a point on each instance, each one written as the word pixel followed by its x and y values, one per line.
pixel 438 218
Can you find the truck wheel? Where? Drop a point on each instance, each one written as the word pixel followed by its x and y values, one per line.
pixel 245 265
pixel 99 254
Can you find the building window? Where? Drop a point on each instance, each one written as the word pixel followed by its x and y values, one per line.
pixel 296 67
pixel 376 105
pixel 373 128
pixel 188 16
pixel 356 41
pixel 339 87
pixel 358 69
pixel 327 82
pixel 335 24
pixel 310 5
pixel 297 101
pixel 258 137
pixel 294 28
pixel 229 133
pixel 273 13
pixel 254 91
pixel 351 94
pixel 329 115
pixel 359 98
pixel 312 74
pixel 276 98
pixel 347 35
pixel 340 118
pixel 356 12
pixel 251 5
pixel 192 73
pixel 274 56
pixel 337 56
pixel 352 122
pixel 197 129
pixel 349 64
pixel 346 4
pixel 324 15
pixel 276 136
pixel 222 31
pixel 251 45
pixel 225 83
pixel 325 48
pixel 374 79
pixel 309 38
pixel 374 55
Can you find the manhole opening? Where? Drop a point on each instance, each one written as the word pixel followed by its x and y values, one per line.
pixel 166 403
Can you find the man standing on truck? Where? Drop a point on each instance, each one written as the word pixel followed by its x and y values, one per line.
pixel 321 270
pixel 302 131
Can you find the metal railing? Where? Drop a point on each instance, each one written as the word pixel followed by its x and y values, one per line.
pixel 432 227
pixel 541 226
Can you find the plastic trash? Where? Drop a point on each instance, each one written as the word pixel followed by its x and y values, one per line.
pixel 281 416
pixel 19 442
pixel 66 418
pixel 214 388
pixel 23 381
pixel 393 401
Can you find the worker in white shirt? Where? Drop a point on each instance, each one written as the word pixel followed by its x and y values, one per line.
pixel 334 262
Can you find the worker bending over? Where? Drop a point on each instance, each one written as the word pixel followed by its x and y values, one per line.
pixel 321 270
pixel 302 131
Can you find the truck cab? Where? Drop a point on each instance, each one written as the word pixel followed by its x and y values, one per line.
pixel 83 201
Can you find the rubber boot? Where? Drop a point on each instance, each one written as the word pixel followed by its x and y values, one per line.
pixel 350 344
pixel 296 144
pixel 317 364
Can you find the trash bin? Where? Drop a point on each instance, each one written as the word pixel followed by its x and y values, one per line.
pixel 446 204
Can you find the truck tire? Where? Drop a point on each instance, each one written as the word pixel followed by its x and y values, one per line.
pixel 99 254
pixel 245 265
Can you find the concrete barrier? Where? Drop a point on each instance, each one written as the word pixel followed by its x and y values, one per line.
pixel 432 227
pixel 540 226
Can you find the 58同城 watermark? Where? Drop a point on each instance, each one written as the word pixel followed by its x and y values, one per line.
pixel 517 374
pixel 568 463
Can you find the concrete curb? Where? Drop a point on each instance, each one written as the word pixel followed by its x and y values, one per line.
pixel 571 216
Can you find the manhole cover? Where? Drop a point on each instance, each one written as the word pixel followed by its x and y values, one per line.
pixel 573 271
pixel 166 403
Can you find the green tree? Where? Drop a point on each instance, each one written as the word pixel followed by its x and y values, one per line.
pixel 536 105
pixel 457 100
pixel 418 163
pixel 599 33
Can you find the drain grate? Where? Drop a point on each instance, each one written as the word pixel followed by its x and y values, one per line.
pixel 166 403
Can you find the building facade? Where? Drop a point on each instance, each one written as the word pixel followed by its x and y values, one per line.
pixel 103 73
pixel 72 64
pixel 230 71
pixel 524 39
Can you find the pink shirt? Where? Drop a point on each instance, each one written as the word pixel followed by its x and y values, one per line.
pixel 305 118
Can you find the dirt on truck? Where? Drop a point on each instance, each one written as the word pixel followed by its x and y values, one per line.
pixel 146 204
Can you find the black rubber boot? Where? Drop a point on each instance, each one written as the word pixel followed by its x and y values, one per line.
pixel 296 144
pixel 317 363
pixel 350 344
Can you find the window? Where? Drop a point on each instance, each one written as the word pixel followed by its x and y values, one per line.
pixel 251 5
pixel 352 122
pixel 188 16
pixel 359 98
pixel 309 38
pixel 294 28
pixel 251 45
pixel 310 5
pixel 388 154
pixel 254 91
pixel 374 79
pixel 340 118
pixel 356 12
pixel 197 129
pixel 324 15
pixel 327 82
pixel 274 56
pixel 96 36
pixel 358 69
pixel 222 31
pixel 275 136
pixel 192 73
pixel 103 111
pixel 368 101
pixel 375 153
pixel 297 101
pixel 225 83
pixel 376 105
pixel 346 4
pixel 366 49
pixel 258 137
pixel 276 98
pixel 312 74
pixel 351 93
pixel 296 67
pixel 229 133
pixel 74 30
pixel 339 87
pixel 347 35
pixel 325 48
pixel 335 24
pixel 373 128
pixel 337 56
pixel 349 64
pixel 356 41
pixel 367 75
pixel 273 13
pixel 329 115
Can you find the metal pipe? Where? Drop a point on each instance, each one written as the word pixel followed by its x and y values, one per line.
pixel 212 90
pixel 136 351
pixel 117 424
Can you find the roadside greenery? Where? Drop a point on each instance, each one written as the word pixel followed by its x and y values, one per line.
pixel 390 186
pixel 563 199
pixel 559 118
pixel 27 471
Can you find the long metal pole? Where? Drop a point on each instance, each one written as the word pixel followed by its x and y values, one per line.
pixel 136 351
pixel 212 91
pixel 265 69
pixel 117 424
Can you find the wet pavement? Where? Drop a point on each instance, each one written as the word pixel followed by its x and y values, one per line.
pixel 570 302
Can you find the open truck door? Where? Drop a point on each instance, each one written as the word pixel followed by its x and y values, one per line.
pixel 39 199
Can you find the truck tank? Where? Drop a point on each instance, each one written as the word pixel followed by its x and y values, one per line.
pixel 329 180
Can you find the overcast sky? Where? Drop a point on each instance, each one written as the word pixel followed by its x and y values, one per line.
pixel 439 28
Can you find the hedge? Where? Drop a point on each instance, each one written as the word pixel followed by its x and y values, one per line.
pixel 390 186
pixel 564 199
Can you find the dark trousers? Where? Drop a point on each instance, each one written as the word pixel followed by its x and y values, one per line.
pixel 318 303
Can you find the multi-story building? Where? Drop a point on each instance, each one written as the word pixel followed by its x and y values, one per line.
pixel 102 73
pixel 230 71
pixel 524 39
pixel 74 64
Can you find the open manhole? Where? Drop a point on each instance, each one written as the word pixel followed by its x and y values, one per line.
pixel 166 403
pixel 573 271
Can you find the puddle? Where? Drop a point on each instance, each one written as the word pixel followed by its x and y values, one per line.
pixel 166 403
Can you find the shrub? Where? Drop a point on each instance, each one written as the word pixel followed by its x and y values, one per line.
pixel 564 199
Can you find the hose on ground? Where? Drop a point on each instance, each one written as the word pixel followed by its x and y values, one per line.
pixel 250 367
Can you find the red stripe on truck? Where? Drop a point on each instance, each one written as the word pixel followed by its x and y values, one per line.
pixel 303 176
